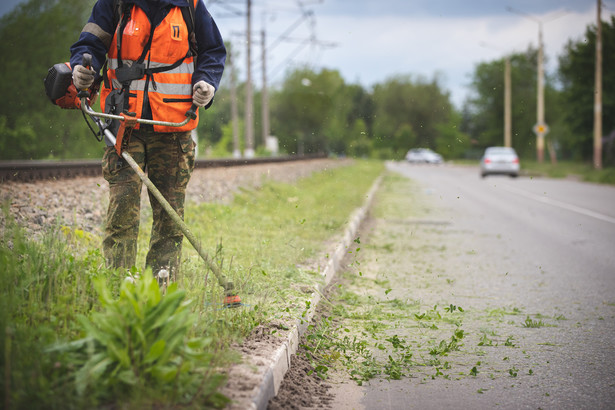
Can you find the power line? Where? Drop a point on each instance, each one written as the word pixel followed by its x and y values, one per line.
pixel 306 16
pixel 228 6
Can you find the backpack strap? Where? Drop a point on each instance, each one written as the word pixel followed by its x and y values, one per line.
pixel 188 14
pixel 121 15
pixel 117 12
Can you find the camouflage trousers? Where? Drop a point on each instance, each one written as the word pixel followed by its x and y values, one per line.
pixel 168 159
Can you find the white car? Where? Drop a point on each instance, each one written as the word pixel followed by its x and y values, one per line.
pixel 423 155
pixel 500 160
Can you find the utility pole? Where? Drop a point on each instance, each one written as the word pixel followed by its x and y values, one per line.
pixel 598 95
pixel 234 111
pixel 249 115
pixel 541 128
pixel 507 97
pixel 507 105
pixel 249 90
pixel 264 94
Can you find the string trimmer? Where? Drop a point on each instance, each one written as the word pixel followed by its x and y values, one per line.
pixel 60 78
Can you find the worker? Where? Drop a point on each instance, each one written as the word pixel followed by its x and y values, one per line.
pixel 157 57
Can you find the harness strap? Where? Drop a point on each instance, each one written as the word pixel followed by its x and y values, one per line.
pixel 137 70
pixel 188 14
pixel 125 16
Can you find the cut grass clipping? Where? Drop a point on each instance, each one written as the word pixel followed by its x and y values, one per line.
pixel 75 335
pixel 375 326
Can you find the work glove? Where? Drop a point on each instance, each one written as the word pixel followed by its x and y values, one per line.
pixel 82 77
pixel 202 93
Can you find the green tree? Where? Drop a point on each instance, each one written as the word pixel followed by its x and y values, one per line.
pixel 316 111
pixel 451 141
pixel 412 113
pixel 36 35
pixel 359 144
pixel 483 113
pixel 350 129
pixel 304 108
pixel 577 73
pixel 486 105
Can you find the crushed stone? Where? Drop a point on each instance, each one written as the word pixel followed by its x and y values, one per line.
pixel 81 203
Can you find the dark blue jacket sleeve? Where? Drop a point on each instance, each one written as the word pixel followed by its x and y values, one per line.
pixel 101 23
pixel 212 53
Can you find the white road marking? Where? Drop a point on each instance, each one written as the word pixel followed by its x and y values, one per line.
pixel 559 204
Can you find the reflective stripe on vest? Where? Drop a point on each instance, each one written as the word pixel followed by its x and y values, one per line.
pixel 176 74
pixel 160 88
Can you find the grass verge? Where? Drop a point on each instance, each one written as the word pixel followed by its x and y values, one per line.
pixel 564 169
pixel 66 319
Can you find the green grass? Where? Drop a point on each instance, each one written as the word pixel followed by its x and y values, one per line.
pixel 563 169
pixel 392 201
pixel 260 240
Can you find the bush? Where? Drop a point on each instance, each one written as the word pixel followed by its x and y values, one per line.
pixel 137 347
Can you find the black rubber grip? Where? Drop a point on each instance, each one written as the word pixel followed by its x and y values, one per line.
pixel 191 113
pixel 86 60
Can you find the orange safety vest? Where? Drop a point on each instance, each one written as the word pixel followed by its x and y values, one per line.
pixel 169 89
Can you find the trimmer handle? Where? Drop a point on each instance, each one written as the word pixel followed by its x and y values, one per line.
pixel 191 113
pixel 86 61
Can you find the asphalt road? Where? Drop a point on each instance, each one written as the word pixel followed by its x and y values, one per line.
pixel 506 250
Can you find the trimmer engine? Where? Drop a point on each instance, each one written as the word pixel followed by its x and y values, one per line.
pixel 60 89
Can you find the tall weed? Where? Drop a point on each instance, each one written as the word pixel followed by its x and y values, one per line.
pixel 73 334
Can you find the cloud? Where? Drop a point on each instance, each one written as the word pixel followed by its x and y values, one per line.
pixel 371 49
pixel 374 44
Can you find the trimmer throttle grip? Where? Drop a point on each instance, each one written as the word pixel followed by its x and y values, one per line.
pixel 86 61
pixel 191 113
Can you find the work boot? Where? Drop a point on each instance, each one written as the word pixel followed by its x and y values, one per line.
pixel 164 279
pixel 131 277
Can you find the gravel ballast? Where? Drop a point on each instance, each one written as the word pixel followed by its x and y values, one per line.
pixel 81 203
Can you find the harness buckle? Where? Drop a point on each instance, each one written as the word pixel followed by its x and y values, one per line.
pixel 126 74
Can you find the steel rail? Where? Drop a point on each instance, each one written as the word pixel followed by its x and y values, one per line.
pixel 36 170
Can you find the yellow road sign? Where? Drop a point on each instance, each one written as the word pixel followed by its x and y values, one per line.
pixel 541 129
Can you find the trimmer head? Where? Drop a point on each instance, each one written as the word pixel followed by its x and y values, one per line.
pixel 232 299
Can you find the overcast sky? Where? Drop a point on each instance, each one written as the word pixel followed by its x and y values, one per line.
pixel 369 41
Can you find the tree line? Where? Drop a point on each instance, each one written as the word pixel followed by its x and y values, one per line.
pixel 317 110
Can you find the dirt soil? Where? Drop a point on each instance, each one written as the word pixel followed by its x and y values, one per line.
pixel 302 388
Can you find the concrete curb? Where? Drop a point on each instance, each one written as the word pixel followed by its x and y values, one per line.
pixel 280 360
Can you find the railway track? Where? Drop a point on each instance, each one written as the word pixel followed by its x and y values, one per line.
pixel 34 170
